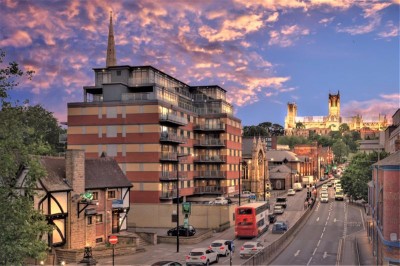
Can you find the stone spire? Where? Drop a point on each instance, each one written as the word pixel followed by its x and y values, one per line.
pixel 111 59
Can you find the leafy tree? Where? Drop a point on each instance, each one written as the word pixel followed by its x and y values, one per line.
pixel 21 225
pixel 344 128
pixel 292 141
pixel 265 129
pixel 359 172
pixel 300 125
pixel 340 150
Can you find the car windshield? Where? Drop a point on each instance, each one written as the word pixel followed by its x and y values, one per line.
pixel 248 246
pixel 198 253
pixel 277 207
pixel 216 244
pixel 324 195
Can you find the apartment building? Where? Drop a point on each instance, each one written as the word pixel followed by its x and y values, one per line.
pixel 162 132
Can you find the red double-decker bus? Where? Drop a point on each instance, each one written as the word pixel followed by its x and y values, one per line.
pixel 251 220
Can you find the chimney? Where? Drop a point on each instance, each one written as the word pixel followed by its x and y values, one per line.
pixel 75 170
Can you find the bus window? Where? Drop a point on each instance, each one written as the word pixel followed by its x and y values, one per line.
pixel 245 211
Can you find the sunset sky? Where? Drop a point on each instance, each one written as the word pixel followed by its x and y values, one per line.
pixel 264 53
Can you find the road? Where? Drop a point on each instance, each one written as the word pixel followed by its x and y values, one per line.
pixel 321 240
pixel 163 251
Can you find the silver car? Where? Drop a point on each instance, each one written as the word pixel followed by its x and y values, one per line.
pixel 221 247
pixel 201 256
pixel 250 248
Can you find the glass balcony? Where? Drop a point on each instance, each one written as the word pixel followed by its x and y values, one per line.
pixel 172 137
pixel 209 174
pixel 209 159
pixel 171 176
pixel 173 119
pixel 217 143
pixel 221 127
pixel 169 156
pixel 210 190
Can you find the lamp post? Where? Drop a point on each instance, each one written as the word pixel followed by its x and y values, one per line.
pixel 177 201
pixel 239 180
pixel 265 160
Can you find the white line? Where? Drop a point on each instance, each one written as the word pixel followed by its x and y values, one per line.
pixel 362 219
pixel 334 220
pixel 325 255
pixel 297 253
pixel 322 235
pixel 326 223
pixel 319 242
pixel 315 250
pixel 308 263
pixel 317 219
pixel 324 229
pixel 339 252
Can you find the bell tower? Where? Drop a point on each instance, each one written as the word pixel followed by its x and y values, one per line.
pixel 334 118
pixel 290 119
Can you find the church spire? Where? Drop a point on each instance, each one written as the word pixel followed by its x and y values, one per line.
pixel 111 59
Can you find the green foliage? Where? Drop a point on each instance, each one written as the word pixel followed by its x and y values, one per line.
pixel 340 150
pixel 20 138
pixel 357 175
pixel 292 140
pixel 265 129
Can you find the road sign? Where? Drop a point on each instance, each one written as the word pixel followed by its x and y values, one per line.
pixel 113 239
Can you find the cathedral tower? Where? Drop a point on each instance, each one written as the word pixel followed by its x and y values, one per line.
pixel 111 59
pixel 334 105
pixel 290 119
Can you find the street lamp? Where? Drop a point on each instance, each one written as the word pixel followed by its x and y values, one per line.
pixel 240 162
pixel 177 201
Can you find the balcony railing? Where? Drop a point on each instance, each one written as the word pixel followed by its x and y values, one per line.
pixel 210 143
pixel 210 174
pixel 210 190
pixel 171 118
pixel 172 137
pixel 209 159
pixel 212 127
pixel 171 176
pixel 168 194
pixel 169 156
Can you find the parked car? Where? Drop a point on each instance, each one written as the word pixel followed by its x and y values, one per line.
pixel 201 256
pixel 250 248
pixel 220 246
pixel 247 194
pixel 220 201
pixel 272 218
pixel 166 263
pixel 291 192
pixel 280 227
pixel 190 231
pixel 278 209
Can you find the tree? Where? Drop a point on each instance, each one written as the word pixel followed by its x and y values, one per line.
pixel 21 224
pixel 340 150
pixel 265 129
pixel 300 125
pixel 344 128
pixel 357 175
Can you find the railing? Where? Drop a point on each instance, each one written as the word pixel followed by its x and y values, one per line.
pixel 168 176
pixel 140 96
pixel 210 190
pixel 212 127
pixel 209 159
pixel 173 118
pixel 172 137
pixel 210 174
pixel 169 156
pixel 168 194
pixel 210 142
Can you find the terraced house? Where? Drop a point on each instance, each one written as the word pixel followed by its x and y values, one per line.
pixel 156 127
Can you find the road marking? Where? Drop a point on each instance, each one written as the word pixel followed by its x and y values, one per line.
pixel 362 219
pixel 308 263
pixel 334 220
pixel 326 223
pixel 322 235
pixel 325 255
pixel 297 253
pixel 319 242
pixel 317 219
pixel 324 229
pixel 315 250
pixel 339 252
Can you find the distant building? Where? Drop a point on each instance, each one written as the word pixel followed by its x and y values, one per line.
pixel 284 169
pixel 322 125
pixel 392 133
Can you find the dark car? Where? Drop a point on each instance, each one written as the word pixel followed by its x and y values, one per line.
pixel 279 227
pixel 190 231
pixel 272 218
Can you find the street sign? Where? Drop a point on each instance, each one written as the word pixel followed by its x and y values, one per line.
pixel 113 239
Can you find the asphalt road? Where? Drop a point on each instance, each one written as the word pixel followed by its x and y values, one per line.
pixel 321 241
pixel 163 251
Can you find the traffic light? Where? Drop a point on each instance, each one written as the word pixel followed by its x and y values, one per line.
pixel 186 208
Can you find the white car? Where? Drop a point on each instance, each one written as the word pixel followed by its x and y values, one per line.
pixel 250 248
pixel 220 246
pixel 247 194
pixel 291 192
pixel 201 256
pixel 278 209
pixel 324 197
pixel 220 201
pixel 324 187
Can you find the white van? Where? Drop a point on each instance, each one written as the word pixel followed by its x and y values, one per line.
pixel 297 186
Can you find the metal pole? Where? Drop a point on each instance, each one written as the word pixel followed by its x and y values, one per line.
pixel 113 256
pixel 177 206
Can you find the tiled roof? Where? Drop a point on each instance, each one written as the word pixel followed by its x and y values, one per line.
pixel 278 175
pixel 279 156
pixel 104 173
pixel 54 180
pixel 393 159
pixel 280 169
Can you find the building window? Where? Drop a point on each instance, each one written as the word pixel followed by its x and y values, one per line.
pixel 111 194
pixel 118 72
pixel 95 195
pixel 99 240
pixel 99 218
pixel 89 220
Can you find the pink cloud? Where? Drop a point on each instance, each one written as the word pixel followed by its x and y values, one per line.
pixel 19 39
pixel 287 35
pixel 389 31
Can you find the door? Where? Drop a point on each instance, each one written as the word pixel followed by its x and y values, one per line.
pixel 115 222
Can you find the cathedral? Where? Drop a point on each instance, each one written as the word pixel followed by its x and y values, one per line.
pixel 298 125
